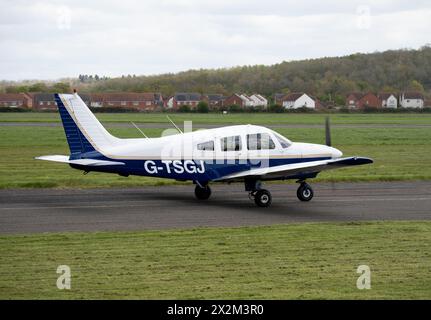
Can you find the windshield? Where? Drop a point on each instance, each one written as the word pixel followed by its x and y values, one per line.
pixel 284 142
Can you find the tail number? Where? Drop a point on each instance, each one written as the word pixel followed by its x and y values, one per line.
pixel 174 166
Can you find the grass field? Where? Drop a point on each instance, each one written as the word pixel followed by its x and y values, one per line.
pixel 400 153
pixel 301 261
pixel 234 118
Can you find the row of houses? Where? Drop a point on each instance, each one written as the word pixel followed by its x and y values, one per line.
pixel 386 100
pixel 140 101
pixel 155 101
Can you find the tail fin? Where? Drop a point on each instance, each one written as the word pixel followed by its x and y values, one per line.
pixel 84 133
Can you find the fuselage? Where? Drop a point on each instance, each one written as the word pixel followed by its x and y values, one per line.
pixel 208 155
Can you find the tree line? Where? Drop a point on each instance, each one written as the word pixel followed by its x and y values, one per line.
pixel 328 79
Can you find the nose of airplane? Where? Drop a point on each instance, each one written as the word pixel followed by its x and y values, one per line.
pixel 335 153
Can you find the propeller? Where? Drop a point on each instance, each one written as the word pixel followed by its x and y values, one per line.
pixel 329 143
pixel 327 132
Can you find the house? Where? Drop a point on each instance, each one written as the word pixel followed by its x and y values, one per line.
pixel 234 99
pixel 412 100
pixel 44 101
pixel 186 99
pixel 16 100
pixel 358 100
pixel 388 100
pixel 96 100
pixel 278 97
pixel 298 100
pixel 139 101
pixel 215 100
pixel 259 101
pixel 369 100
pixel 352 100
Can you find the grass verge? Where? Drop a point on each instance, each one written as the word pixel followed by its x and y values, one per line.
pixel 298 261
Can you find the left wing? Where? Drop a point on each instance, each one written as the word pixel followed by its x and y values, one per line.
pixel 82 162
pixel 286 170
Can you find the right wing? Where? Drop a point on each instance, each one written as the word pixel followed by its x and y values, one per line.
pixel 294 169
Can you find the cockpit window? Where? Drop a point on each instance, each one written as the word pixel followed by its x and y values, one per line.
pixel 259 141
pixel 206 146
pixel 231 143
pixel 282 140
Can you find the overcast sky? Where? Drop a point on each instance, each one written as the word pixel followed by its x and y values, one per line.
pixel 55 39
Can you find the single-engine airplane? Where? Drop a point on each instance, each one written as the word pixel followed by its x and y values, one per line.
pixel 245 153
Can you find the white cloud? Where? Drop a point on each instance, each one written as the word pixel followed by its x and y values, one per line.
pixel 54 39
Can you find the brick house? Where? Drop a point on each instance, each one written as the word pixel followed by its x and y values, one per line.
pixel 139 101
pixel 16 100
pixel 214 100
pixel 369 100
pixel 186 99
pixel 234 99
pixel 352 100
pixel 44 101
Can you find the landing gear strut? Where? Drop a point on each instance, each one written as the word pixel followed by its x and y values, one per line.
pixel 202 192
pixel 261 197
pixel 304 192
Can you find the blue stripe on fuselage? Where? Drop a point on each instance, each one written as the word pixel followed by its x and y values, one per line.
pixel 196 170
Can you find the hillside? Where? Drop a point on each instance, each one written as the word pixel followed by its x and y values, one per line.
pixel 326 78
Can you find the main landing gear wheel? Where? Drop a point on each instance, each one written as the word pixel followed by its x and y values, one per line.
pixel 262 198
pixel 202 193
pixel 304 192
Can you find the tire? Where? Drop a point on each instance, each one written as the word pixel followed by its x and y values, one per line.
pixel 202 193
pixel 262 198
pixel 304 192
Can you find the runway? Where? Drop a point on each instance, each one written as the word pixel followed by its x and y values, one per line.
pixel 170 207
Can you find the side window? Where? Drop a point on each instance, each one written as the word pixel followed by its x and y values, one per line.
pixel 259 141
pixel 231 143
pixel 283 142
pixel 206 146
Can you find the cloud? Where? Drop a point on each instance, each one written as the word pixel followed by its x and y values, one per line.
pixel 48 40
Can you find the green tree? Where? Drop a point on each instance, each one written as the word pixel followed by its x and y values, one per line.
pixel 416 86
pixel 184 108
pixel 202 107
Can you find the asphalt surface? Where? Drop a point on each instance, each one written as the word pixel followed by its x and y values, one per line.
pixel 44 210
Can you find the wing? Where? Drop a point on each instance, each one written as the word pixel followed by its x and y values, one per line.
pixel 295 169
pixel 82 162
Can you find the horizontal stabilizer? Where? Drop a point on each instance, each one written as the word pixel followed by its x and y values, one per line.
pixel 82 162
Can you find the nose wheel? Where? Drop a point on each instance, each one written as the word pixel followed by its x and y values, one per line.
pixel 304 192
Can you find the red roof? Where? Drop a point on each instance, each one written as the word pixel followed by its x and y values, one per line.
pixel 123 96
pixel 6 97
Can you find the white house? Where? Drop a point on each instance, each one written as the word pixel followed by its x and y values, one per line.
pixel 247 101
pixel 412 100
pixel 298 100
pixel 388 100
pixel 259 101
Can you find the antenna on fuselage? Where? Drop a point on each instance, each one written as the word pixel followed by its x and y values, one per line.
pixel 173 123
pixel 139 129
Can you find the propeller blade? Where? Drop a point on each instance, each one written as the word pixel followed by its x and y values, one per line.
pixel 328 132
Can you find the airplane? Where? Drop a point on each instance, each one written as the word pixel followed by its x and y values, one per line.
pixel 241 153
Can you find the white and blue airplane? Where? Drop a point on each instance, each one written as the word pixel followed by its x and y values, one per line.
pixel 243 153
